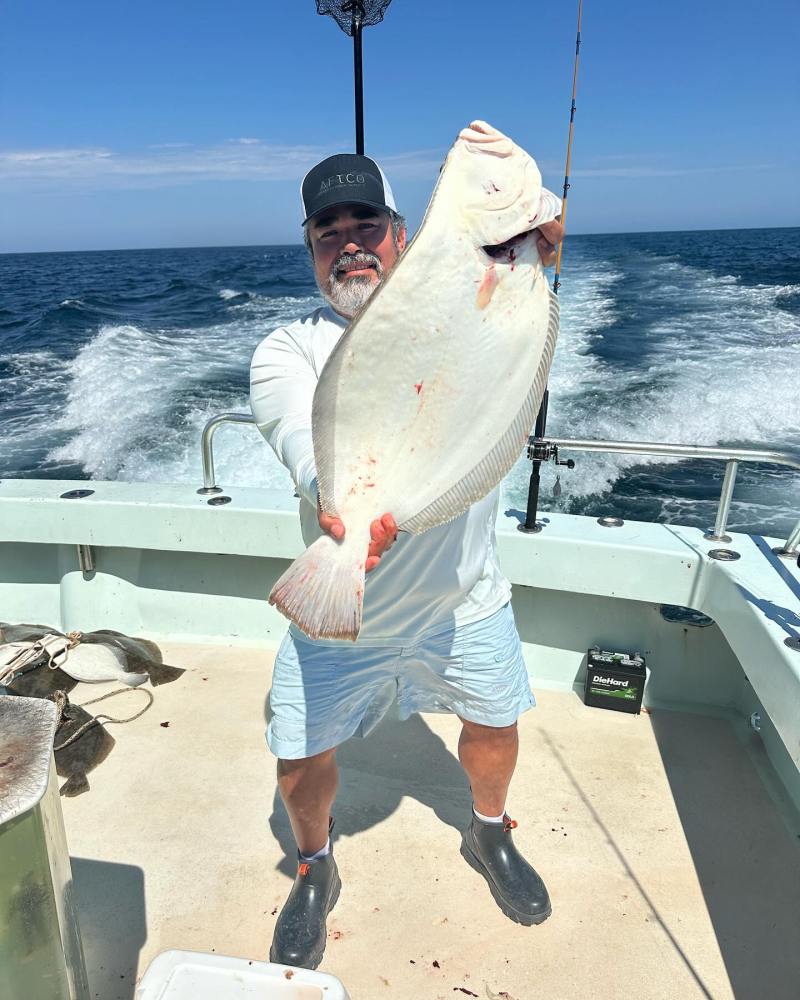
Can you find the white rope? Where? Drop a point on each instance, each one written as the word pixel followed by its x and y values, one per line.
pixel 62 703
pixel 16 656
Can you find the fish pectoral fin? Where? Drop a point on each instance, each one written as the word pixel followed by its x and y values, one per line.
pixel 77 784
pixel 163 673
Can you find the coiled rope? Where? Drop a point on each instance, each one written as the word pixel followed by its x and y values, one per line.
pixel 62 702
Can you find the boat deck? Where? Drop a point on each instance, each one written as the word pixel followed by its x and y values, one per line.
pixel 671 870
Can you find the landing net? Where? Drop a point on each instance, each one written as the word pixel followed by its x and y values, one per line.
pixel 352 14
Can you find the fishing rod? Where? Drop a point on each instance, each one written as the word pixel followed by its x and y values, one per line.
pixel 539 453
pixel 353 16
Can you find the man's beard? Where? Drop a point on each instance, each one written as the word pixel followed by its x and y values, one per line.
pixel 349 295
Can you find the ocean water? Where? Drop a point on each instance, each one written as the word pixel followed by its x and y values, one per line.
pixel 111 362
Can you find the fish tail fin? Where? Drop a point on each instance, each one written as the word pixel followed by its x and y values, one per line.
pixel 322 592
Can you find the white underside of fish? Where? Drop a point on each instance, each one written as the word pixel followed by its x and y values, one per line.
pixel 428 399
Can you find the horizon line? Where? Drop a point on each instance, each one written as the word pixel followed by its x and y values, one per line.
pixel 245 246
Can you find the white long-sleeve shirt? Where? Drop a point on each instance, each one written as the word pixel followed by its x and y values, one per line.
pixel 424 583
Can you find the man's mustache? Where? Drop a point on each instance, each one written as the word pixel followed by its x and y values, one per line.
pixel 362 258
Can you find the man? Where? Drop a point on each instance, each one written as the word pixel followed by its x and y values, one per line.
pixel 438 633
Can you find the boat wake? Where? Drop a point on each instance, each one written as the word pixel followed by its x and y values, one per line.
pixel 654 346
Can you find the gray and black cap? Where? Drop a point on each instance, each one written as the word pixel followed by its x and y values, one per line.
pixel 345 178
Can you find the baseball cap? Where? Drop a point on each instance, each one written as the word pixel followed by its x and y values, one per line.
pixel 345 178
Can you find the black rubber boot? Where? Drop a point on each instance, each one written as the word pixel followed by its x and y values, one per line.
pixel 516 887
pixel 301 933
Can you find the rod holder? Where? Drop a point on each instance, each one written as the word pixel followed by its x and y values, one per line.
pixel 531 525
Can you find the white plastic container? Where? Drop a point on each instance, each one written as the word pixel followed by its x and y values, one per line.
pixel 189 975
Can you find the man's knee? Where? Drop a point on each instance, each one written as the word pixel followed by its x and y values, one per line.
pixel 300 765
pixel 477 730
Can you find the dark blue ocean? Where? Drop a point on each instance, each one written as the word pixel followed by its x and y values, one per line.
pixel 111 362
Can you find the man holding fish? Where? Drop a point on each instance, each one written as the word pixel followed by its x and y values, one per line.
pixel 437 632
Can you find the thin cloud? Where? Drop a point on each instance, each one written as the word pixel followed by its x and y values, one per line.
pixel 243 158
pixel 45 159
pixel 247 158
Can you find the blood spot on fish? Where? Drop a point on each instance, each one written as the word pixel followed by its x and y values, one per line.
pixel 488 285
pixel 418 387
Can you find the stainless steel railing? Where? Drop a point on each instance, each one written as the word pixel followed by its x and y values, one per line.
pixel 731 456
pixel 207 448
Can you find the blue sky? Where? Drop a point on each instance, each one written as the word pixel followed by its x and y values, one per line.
pixel 190 122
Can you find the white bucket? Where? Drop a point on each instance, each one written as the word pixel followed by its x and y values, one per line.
pixel 189 975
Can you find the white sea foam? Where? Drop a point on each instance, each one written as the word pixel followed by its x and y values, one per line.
pixel 33 381
pixel 137 400
pixel 723 369
pixel 721 366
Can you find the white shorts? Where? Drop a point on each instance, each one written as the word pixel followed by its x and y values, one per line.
pixel 324 694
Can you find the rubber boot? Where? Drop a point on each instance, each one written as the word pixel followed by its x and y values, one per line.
pixel 517 889
pixel 301 932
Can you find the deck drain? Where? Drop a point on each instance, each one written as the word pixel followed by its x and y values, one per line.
pixel 724 555
pixel 610 522
pixel 793 642
pixel 218 501
pixel 76 494
pixel 685 616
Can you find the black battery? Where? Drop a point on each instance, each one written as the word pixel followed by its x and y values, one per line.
pixel 614 680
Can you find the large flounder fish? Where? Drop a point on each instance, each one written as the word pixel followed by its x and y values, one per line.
pixel 469 331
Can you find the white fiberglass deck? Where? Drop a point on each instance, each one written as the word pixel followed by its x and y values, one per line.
pixel 672 873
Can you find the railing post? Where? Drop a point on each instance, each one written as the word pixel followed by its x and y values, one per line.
pixel 725 497
pixel 207 449
pixel 209 486
pixel 792 546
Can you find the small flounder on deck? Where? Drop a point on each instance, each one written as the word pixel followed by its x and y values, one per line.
pixel 489 331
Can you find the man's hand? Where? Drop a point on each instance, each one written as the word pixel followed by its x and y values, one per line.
pixel 383 534
pixel 549 234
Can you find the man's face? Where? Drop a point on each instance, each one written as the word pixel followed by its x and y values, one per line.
pixel 354 248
